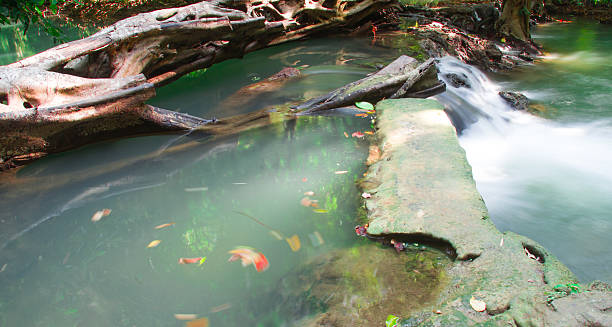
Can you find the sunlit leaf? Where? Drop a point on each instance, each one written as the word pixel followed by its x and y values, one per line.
pixel 391 321
pixel 364 105
pixel 164 225
pixel 185 316
pixel 294 243
pixel 99 214
pixel 153 244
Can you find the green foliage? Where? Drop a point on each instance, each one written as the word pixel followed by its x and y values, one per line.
pixel 29 12
pixel 562 290
pixel 424 3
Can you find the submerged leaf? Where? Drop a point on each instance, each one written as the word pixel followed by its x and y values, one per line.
pixel 478 305
pixel 340 172
pixel 276 235
pixel 321 210
pixel 186 261
pixel 358 134
pixel 202 322
pixel 361 115
pixel 202 261
pixel 153 244
pixel 294 243
pixel 99 214
pixel 185 316
pixel 345 135
pixel 164 225
pixel 309 193
pixel 364 105
pixel 248 256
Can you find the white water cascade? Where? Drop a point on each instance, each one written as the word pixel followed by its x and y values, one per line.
pixel 546 180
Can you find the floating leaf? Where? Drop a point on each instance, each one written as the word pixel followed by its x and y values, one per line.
pixel 294 243
pixel 478 305
pixel 321 210
pixel 164 225
pixel 364 105
pixel 316 239
pixel 358 134
pixel 248 256
pixel 340 172
pixel 153 244
pixel 186 261
pixel 221 307
pixel 185 316
pixel 361 115
pixel 202 322
pixel 99 214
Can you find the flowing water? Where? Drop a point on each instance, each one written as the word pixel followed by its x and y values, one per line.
pixel 60 268
pixel 549 179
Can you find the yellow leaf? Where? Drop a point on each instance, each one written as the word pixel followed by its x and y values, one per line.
pixel 321 210
pixel 153 244
pixel 163 225
pixel 294 243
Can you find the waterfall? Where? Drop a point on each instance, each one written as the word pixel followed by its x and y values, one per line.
pixel 547 180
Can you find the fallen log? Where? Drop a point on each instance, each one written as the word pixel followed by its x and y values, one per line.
pixel 95 88
pixel 401 78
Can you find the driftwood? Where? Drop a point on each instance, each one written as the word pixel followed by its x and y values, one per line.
pixel 401 78
pixel 96 88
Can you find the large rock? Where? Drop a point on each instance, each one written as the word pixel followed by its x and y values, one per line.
pixel 423 188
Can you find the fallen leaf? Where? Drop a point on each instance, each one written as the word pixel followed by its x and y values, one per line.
pixel 309 193
pixel 306 202
pixel 221 307
pixel 99 214
pixel 321 210
pixel 185 316
pixel 346 135
pixel 364 105
pixel 248 256
pixel 186 261
pixel 358 134
pixel 361 115
pixel 164 225
pixel 294 243
pixel 478 305
pixel 369 132
pixel 366 195
pixel 202 322
pixel 316 239
pixel 340 172
pixel 153 244
pixel 276 235
pixel 196 189
pixel 373 155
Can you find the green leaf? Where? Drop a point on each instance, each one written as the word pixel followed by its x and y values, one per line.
pixel 391 321
pixel 364 105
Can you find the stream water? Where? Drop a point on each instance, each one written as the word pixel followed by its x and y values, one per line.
pixel 60 268
pixel 548 179
pixel 544 178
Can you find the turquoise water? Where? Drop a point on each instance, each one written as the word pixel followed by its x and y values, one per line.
pixel 59 268
pixel 550 179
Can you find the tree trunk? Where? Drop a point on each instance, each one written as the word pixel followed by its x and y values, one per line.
pixel 514 19
pixel 96 88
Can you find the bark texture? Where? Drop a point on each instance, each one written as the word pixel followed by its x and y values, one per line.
pixel 514 20
pixel 96 88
